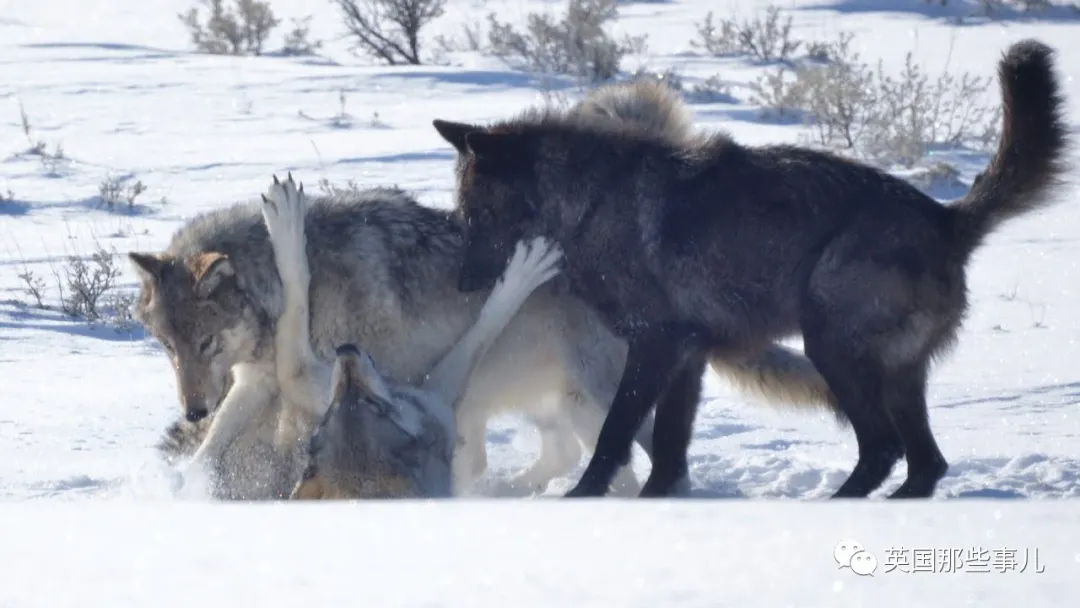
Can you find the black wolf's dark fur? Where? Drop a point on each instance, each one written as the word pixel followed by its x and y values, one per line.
pixel 710 245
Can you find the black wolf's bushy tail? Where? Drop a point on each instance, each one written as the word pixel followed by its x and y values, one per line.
pixel 782 376
pixel 1029 160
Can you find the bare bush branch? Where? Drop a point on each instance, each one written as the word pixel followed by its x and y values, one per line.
pixel 87 290
pixel 779 92
pixel 575 44
pixel 121 311
pixel 55 163
pixel 713 90
pixel 116 193
pixel 471 39
pixel 298 40
pixel 764 38
pixel 890 120
pixel 915 112
pixel 840 97
pixel 240 30
pixel 34 286
pixel 332 190
pixel 389 29
pixel 719 42
pixel 87 282
pixel 37 146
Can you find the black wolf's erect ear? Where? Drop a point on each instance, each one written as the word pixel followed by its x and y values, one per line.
pixel 498 151
pixel 455 132
pixel 211 271
pixel 148 265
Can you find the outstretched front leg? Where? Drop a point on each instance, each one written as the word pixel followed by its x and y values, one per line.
pixel 532 265
pixel 251 393
pixel 304 380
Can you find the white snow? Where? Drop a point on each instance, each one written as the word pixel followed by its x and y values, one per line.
pixel 82 519
pixel 527 554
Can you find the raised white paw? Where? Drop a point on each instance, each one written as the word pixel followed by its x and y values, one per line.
pixel 533 263
pixel 283 210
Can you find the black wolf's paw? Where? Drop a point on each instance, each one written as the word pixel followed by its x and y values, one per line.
pixel 585 490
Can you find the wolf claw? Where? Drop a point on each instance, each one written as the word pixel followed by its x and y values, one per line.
pixel 284 208
pixel 533 262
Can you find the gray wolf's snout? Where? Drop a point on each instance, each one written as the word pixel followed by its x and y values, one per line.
pixel 347 375
pixel 347 350
pixel 195 414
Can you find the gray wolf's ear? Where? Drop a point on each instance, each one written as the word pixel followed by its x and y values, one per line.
pixel 148 265
pixel 211 271
pixel 455 132
pixel 495 152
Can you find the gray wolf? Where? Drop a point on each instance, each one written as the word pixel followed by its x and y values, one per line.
pixel 708 246
pixel 377 439
pixel 384 275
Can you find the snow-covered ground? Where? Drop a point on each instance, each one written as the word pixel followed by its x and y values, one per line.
pixel 116 86
pixel 537 554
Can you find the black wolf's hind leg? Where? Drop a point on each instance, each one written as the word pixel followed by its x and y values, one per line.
pixel 651 360
pixel 858 383
pixel 674 426
pixel 905 394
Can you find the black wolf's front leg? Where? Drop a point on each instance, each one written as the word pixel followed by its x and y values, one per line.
pixel 653 359
pixel 675 414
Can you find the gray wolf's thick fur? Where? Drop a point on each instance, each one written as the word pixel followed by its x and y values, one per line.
pixel 374 438
pixel 710 245
pixel 384 272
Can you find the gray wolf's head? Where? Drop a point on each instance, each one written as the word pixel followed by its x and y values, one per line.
pixel 197 309
pixel 344 459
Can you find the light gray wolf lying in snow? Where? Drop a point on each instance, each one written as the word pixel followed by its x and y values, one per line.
pixel 384 275
pixel 377 439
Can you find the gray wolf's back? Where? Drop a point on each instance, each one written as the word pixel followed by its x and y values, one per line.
pixel 383 222
pixel 377 254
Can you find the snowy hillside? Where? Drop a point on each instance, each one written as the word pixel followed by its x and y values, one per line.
pixel 115 93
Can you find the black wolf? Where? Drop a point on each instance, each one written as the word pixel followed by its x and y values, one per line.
pixel 705 246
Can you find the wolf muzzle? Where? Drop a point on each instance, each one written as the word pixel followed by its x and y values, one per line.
pixel 195 414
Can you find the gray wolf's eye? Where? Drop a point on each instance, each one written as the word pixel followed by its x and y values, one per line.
pixel 206 345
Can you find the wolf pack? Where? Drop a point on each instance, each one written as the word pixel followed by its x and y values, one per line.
pixel 596 260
